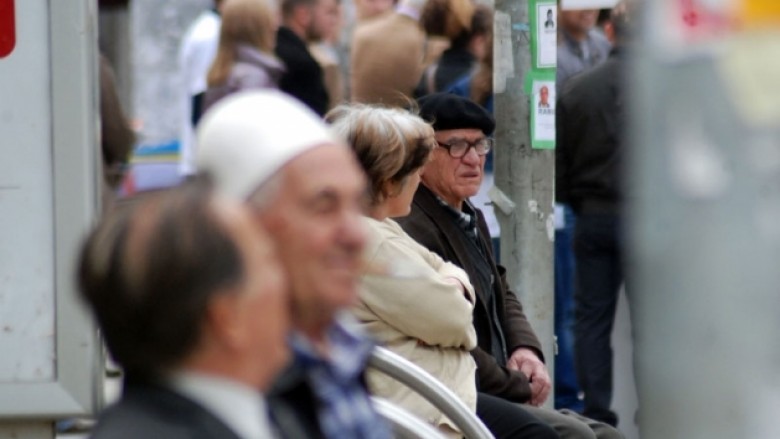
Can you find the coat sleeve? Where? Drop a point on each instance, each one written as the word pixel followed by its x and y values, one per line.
pixel 498 380
pixel 446 269
pixel 412 300
pixel 517 330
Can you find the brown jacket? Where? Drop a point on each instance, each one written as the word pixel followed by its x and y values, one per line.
pixel 387 60
pixel 431 225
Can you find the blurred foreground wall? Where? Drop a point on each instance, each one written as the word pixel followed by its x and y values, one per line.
pixel 706 219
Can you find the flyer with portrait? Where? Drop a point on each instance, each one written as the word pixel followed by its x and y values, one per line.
pixel 543 114
pixel 545 25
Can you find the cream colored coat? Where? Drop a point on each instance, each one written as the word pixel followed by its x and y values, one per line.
pixel 415 312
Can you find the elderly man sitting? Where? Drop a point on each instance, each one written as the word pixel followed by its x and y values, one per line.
pixel 509 357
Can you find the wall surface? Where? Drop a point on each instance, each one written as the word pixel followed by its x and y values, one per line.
pixel 156 29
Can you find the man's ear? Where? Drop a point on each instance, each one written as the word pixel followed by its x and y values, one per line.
pixel 224 319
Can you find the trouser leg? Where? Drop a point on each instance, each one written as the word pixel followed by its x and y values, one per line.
pixel 599 275
pixel 572 425
pixel 507 420
pixel 566 387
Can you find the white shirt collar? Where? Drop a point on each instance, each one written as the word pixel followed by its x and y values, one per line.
pixel 241 407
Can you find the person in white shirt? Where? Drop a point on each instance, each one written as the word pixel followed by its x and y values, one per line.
pixel 196 53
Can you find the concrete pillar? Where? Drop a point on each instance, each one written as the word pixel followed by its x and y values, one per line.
pixel 156 29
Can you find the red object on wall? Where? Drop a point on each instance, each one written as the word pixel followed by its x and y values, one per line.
pixel 7 27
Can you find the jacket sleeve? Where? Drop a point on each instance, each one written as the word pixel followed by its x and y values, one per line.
pixel 412 301
pixel 498 380
pixel 517 330
pixel 446 269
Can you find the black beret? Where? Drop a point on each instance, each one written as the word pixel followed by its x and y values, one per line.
pixel 447 111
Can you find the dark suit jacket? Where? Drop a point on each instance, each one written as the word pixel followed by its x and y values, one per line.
pixel 293 405
pixel 155 411
pixel 304 77
pixel 433 226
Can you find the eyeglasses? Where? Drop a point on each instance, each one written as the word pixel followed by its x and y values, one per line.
pixel 460 147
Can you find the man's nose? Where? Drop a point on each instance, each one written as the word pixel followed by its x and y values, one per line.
pixel 353 232
pixel 471 157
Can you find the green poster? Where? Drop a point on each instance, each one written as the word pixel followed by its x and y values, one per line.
pixel 540 87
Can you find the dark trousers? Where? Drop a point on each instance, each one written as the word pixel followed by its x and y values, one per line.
pixel 566 388
pixel 598 249
pixel 507 420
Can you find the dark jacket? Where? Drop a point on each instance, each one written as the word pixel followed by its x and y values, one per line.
pixel 433 226
pixel 154 411
pixel 293 405
pixel 453 65
pixel 304 78
pixel 590 126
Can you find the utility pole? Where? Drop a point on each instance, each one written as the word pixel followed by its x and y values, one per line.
pixel 524 175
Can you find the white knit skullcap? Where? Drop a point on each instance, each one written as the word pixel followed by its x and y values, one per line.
pixel 245 138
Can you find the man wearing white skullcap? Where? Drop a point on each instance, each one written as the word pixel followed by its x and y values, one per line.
pixel 306 188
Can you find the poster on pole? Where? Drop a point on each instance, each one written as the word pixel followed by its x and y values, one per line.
pixel 542 111
pixel 569 5
pixel 544 25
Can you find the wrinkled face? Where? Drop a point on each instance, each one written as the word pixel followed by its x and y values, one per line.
pixel 262 313
pixel 400 203
pixel 455 179
pixel 325 17
pixel 315 219
pixel 579 21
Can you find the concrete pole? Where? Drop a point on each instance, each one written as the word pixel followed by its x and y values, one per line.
pixel 525 176
pixel 705 235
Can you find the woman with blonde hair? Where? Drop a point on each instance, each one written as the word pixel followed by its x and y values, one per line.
pixel 415 303
pixel 245 56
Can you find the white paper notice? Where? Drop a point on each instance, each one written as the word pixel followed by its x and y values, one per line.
pixel 546 35
pixel 543 104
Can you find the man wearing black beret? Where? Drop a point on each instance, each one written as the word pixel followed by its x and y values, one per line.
pixel 510 362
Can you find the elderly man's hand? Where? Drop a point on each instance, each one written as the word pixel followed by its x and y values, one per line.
pixel 526 361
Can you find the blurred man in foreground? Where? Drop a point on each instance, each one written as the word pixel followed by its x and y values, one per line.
pixel 307 189
pixel 192 302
